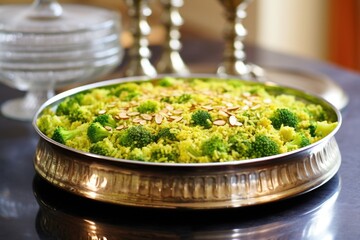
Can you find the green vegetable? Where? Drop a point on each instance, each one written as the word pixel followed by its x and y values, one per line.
pixel 263 146
pixel 184 98
pixel 61 135
pixel 97 132
pixel 69 104
pixel 239 144
pixel 166 82
pixel 283 117
pixel 104 147
pixel 136 137
pixel 213 147
pixel 161 156
pixel 322 129
pixel 299 141
pixel 202 118
pixel 149 106
pixel 166 134
pixel 106 120
pixel 80 113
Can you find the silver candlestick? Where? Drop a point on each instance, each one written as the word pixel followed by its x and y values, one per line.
pixel 234 58
pixel 170 60
pixel 139 53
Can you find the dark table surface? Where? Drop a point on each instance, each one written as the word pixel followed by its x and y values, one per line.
pixel 31 208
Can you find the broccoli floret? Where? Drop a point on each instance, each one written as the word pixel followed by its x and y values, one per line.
pixel 136 137
pixel 137 154
pixel 263 146
pixel 213 147
pixel 322 129
pixel 106 120
pixel 202 118
pixel 81 114
pixel 148 107
pixel 239 144
pixel 69 104
pixel 163 156
pixel 61 134
pixel 166 82
pixel 104 147
pixel 126 92
pixel 166 134
pixel 97 132
pixel 299 141
pixel 184 98
pixel 283 117
pixel 47 123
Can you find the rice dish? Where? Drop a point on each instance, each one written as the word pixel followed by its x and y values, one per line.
pixel 181 120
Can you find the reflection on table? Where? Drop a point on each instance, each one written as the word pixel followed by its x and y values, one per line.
pixel 63 215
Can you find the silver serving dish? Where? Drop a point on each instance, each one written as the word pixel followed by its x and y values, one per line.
pixel 193 186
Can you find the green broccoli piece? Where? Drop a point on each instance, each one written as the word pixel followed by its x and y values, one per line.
pixel 322 129
pixel 213 147
pixel 166 134
pixel 81 114
pixel 162 156
pixel 126 92
pixel 136 137
pixel 263 146
pixel 202 118
pixel 137 154
pixel 148 107
pixel 239 144
pixel 166 82
pixel 104 148
pixel 184 98
pixel 299 141
pixel 47 123
pixel 61 135
pixel 97 132
pixel 283 117
pixel 69 104
pixel 106 120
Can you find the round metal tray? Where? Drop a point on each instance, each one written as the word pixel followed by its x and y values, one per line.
pixel 192 186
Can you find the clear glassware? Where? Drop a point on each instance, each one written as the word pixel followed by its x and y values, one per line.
pixel 47 45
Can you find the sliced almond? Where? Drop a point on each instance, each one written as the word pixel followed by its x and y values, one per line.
pixel 108 128
pixel 137 120
pixel 145 116
pixel 176 119
pixel 142 122
pixel 169 107
pixel 207 107
pixel 219 122
pixel 133 113
pixel 120 127
pixel 101 112
pixel 223 113
pixel 233 108
pixel 123 115
pixel 233 121
pixel 158 118
pixel 177 112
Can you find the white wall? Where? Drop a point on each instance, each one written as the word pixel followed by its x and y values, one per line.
pixel 296 27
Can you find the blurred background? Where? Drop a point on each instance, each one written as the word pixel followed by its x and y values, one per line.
pixel 327 30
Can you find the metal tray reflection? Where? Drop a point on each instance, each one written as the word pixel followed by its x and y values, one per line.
pixel 66 216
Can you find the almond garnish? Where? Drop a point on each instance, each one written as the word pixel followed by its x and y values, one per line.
pixel 219 122
pixel 146 116
pixel 101 112
pixel 158 118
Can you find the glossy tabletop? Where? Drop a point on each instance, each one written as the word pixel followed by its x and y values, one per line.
pixel 31 208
